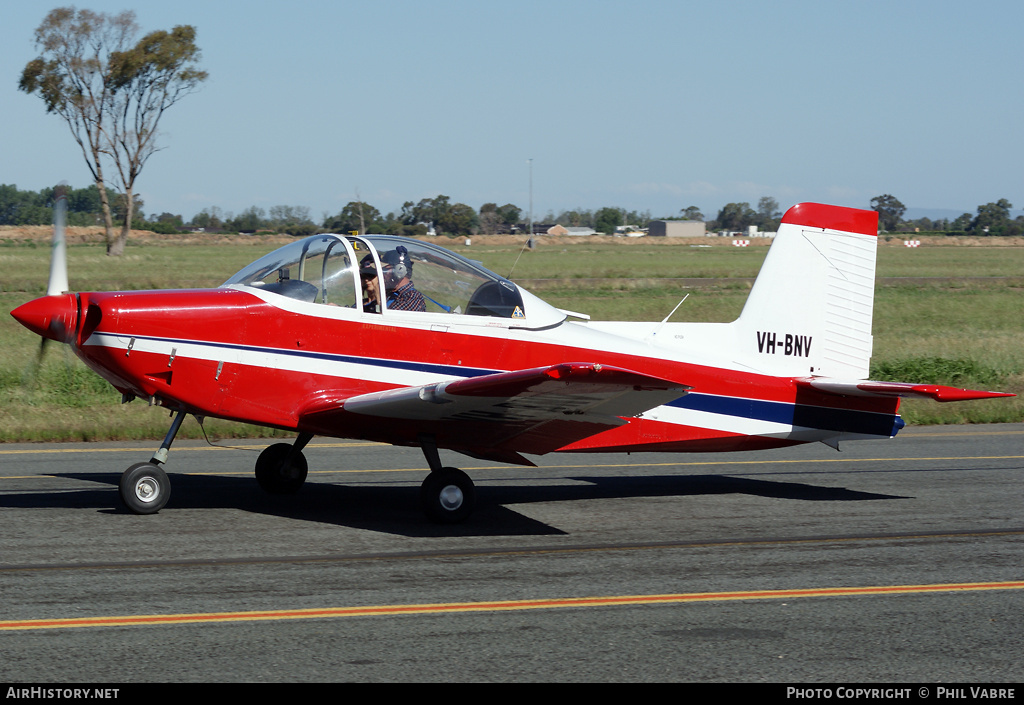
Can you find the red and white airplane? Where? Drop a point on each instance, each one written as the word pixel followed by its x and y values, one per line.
pixel 488 369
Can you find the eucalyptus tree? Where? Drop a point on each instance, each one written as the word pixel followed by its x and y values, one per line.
pixel 736 216
pixel 112 92
pixel 890 211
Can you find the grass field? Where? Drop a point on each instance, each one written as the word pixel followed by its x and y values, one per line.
pixel 958 321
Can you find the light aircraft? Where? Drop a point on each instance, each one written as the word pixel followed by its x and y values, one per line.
pixel 488 369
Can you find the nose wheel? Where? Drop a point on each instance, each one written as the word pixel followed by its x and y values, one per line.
pixel 144 488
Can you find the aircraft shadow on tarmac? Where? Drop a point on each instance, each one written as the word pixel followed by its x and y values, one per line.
pixel 394 508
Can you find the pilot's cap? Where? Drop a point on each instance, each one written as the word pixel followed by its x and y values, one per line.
pixel 367 267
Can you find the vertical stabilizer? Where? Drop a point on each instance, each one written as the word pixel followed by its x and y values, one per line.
pixel 809 311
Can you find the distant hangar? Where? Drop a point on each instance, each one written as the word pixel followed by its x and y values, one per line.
pixel 676 228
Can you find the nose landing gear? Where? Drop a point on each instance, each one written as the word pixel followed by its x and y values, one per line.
pixel 144 487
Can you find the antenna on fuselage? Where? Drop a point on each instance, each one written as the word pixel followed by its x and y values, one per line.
pixel 665 319
pixel 528 243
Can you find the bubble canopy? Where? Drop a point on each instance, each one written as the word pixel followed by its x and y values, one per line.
pixel 325 269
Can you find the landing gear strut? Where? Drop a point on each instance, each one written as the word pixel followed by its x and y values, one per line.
pixel 144 487
pixel 447 494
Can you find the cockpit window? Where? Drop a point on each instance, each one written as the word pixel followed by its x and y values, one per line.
pixel 318 269
pixel 447 282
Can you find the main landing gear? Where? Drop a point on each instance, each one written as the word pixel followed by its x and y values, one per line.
pixel 447 495
pixel 282 468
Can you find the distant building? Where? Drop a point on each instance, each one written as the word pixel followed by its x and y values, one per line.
pixel 752 231
pixel 563 230
pixel 676 228
pixel 571 230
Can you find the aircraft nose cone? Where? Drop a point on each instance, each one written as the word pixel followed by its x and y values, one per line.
pixel 54 317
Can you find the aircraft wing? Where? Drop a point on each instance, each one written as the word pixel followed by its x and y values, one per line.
pixel 868 388
pixel 579 391
pixel 530 411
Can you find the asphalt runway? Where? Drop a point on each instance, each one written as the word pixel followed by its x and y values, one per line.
pixel 896 561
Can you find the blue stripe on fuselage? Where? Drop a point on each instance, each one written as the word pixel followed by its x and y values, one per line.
pixel 825 418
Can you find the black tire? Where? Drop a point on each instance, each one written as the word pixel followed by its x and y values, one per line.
pixel 144 488
pixel 448 496
pixel 274 476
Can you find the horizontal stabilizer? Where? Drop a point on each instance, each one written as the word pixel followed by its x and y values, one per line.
pixel 868 388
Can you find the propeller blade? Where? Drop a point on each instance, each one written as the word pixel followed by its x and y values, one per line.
pixel 58 283
pixel 51 316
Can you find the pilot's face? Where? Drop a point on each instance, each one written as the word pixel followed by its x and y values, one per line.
pixel 371 287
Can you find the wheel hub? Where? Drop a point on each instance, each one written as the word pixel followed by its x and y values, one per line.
pixel 451 497
pixel 147 489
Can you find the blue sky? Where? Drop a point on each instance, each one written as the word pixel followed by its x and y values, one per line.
pixel 650 106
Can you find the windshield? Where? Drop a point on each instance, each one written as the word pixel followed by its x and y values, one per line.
pixel 318 269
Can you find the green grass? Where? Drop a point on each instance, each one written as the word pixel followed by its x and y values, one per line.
pixel 949 329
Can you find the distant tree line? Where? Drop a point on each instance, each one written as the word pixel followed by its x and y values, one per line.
pixel 36 207
pixel 441 216
pixel 991 219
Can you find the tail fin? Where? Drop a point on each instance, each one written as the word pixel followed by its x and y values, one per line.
pixel 809 311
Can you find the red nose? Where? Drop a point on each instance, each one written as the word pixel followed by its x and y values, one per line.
pixel 54 317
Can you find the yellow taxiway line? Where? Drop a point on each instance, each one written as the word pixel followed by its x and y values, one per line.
pixel 492 606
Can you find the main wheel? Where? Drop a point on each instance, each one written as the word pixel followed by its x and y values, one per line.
pixel 448 496
pixel 278 476
pixel 144 488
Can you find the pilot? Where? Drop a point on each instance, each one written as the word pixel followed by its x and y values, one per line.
pixel 371 287
pixel 401 294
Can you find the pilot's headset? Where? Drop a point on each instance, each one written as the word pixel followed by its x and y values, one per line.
pixel 400 263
